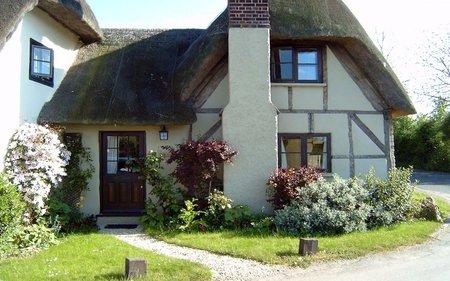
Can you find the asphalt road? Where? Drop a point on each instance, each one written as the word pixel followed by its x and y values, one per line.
pixel 429 261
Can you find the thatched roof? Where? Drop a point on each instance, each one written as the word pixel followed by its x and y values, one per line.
pixel 127 79
pixel 159 77
pixel 76 15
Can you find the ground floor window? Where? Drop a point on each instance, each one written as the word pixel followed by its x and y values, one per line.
pixel 312 150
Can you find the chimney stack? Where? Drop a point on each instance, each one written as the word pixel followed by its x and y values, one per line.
pixel 248 13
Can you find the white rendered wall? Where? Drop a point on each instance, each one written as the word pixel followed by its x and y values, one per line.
pixel 21 98
pixel 250 119
pixel 325 108
pixel 212 110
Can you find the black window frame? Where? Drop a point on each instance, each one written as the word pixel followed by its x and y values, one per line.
pixel 46 79
pixel 295 64
pixel 303 152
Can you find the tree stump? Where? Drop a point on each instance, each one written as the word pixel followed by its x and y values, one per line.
pixel 135 267
pixel 308 246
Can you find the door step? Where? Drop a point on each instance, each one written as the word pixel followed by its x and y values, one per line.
pixel 117 222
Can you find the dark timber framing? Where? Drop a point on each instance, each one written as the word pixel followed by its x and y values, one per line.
pixel 350 147
pixel 325 78
pixel 211 131
pixel 368 132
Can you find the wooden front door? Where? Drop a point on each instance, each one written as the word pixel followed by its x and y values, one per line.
pixel 121 189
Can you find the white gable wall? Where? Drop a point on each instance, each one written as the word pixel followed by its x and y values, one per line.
pixel 21 98
pixel 328 108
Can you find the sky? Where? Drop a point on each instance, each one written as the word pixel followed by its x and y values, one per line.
pixel 408 26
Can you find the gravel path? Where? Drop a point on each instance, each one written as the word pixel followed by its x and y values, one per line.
pixel 223 267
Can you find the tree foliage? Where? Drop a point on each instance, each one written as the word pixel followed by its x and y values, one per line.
pixel 198 165
pixel 424 143
pixel 284 184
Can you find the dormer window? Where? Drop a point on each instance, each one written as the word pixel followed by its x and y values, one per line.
pixel 296 65
pixel 41 63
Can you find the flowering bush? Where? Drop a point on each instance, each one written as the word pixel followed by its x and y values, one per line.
pixel 198 163
pixel 35 160
pixel 284 184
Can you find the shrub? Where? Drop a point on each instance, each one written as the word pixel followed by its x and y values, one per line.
pixel 34 237
pixel 12 206
pixel 190 218
pixel 198 163
pixel 393 196
pixel 428 210
pixel 35 161
pixel 326 208
pixel 163 188
pixel 284 184
pixel 237 217
pixel 218 204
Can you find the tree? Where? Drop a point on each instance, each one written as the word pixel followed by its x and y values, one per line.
pixel 437 60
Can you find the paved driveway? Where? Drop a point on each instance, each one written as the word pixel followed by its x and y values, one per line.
pixel 433 182
pixel 429 261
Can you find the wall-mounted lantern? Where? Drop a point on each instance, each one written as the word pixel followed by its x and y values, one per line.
pixel 163 134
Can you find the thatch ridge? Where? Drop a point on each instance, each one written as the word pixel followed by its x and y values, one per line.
pixel 76 15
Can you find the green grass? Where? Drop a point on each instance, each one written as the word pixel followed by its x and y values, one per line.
pixel 283 249
pixel 96 257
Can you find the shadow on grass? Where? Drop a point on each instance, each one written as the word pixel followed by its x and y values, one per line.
pixel 110 276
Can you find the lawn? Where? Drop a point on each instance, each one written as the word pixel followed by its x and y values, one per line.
pixel 96 257
pixel 274 248
pixel 283 249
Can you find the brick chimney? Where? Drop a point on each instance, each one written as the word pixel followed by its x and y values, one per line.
pixel 248 13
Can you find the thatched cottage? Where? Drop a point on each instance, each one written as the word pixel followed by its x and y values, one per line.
pixel 285 82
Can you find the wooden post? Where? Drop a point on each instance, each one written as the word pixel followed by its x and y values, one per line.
pixel 308 246
pixel 135 268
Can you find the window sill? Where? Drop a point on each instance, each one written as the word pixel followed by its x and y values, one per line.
pixel 298 84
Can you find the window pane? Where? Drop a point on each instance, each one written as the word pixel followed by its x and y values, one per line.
pixel 45 55
pixel 128 154
pixel 112 168
pixel 307 57
pixel 285 55
pixel 112 141
pixel 307 72
pixel 286 71
pixel 291 152
pixel 316 152
pixel 45 68
pixel 290 145
pixel 41 54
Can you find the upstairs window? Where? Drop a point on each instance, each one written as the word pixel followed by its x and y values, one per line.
pixel 296 65
pixel 312 150
pixel 41 63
